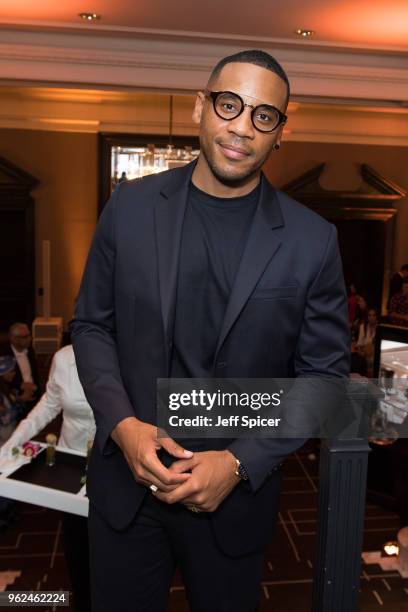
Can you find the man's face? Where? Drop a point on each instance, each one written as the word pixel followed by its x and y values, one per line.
pixel 235 150
pixel 20 337
pixel 404 274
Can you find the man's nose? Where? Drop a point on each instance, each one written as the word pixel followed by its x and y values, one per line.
pixel 242 125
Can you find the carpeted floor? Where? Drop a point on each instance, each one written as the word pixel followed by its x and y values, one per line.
pixel 31 555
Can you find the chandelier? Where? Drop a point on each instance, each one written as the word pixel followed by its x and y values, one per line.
pixel 130 162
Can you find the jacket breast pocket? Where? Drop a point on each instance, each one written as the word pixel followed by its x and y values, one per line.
pixel 274 293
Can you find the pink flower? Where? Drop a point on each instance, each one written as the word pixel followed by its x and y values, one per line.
pixel 30 449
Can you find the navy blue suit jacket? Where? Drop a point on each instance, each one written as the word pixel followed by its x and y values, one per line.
pixel 286 316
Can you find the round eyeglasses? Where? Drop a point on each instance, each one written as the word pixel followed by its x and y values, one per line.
pixel 229 105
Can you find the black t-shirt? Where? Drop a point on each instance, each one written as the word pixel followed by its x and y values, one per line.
pixel 213 240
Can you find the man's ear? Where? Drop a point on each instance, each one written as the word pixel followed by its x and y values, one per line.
pixel 279 136
pixel 198 107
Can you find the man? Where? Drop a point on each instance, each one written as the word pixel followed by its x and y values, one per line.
pixel 201 271
pixel 26 381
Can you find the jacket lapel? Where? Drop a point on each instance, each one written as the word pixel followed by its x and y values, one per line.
pixel 262 244
pixel 169 216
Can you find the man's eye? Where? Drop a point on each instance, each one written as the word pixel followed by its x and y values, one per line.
pixel 229 107
pixel 264 117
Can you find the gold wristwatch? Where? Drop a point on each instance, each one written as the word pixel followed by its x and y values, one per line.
pixel 240 470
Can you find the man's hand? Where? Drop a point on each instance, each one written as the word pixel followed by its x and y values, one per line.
pixel 29 386
pixel 27 391
pixel 139 444
pixel 212 479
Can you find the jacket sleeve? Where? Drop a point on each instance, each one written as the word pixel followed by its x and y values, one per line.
pixel 93 333
pixel 322 351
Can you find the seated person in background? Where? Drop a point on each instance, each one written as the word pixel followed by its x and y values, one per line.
pixel 399 306
pixel 19 347
pixel 368 329
pixel 11 406
pixel 64 394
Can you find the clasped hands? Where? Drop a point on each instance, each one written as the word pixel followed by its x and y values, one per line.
pixel 202 479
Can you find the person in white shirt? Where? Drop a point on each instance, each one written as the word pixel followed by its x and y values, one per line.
pixel 64 394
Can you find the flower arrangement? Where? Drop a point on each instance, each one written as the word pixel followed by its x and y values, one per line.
pixel 28 449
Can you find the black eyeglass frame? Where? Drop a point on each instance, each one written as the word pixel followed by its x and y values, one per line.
pixel 214 95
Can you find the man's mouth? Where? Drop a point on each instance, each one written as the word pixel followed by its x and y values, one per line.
pixel 233 152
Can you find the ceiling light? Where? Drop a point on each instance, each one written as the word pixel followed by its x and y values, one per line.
pixel 89 16
pixel 304 33
pixel 391 549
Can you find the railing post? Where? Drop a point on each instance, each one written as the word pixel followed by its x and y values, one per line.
pixel 340 522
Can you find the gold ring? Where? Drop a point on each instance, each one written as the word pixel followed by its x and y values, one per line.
pixel 193 508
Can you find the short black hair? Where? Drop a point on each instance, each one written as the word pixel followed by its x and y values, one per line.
pixel 256 57
pixel 404 268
